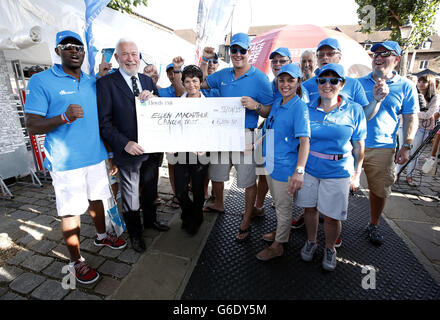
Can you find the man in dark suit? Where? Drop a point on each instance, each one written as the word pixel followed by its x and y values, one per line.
pixel 138 171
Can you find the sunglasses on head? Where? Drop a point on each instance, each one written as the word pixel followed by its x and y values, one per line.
pixel 242 51
pixel 333 81
pixel 384 54
pixel 70 46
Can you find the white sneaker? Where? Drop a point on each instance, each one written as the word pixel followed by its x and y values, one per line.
pixel 308 250
pixel 428 165
pixel 329 261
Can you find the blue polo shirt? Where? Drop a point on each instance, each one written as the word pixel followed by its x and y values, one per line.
pixel 210 93
pixel 69 146
pixel 277 93
pixel 288 122
pixel 167 92
pixel 331 134
pixel 253 83
pixel 402 99
pixel 352 90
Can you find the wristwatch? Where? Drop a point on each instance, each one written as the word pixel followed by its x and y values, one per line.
pixel 407 146
pixel 300 170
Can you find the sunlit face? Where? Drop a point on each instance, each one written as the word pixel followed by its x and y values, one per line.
pixel 192 86
pixel 327 55
pixel 277 62
pixel 128 57
pixel 384 65
pixel 422 85
pixel 170 74
pixel 71 52
pixel 151 71
pixel 239 60
pixel 212 67
pixel 287 85
pixel 327 90
pixel 308 64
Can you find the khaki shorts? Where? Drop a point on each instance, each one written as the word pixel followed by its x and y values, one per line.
pixel 74 188
pixel 330 196
pixel 379 168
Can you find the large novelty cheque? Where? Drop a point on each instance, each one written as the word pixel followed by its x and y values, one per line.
pixel 191 124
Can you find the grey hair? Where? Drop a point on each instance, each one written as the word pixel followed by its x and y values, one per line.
pixel 124 40
pixel 309 52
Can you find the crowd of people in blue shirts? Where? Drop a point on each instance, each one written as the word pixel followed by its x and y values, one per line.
pixel 316 128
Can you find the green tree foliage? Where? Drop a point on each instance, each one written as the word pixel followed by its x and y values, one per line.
pixel 391 14
pixel 126 5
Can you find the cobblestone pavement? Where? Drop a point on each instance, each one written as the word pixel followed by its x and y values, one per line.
pixel 33 252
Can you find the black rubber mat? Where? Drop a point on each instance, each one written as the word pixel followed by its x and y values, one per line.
pixel 229 270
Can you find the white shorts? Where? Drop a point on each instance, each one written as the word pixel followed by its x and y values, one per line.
pixel 330 196
pixel 73 188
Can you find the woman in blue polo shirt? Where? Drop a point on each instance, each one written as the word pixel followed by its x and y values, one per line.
pixel 338 128
pixel 286 146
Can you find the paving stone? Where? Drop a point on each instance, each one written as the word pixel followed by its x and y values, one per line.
pixel 88 245
pixel 118 270
pixel 88 231
pixel 42 203
pixel 43 220
pixel 52 212
pixel 43 246
pixel 60 252
pixel 50 290
pixel 129 256
pixel 9 274
pixel 109 252
pixel 79 295
pixel 12 296
pixel 55 235
pixel 28 240
pixel 26 282
pixel 55 270
pixel 36 262
pixel 23 215
pixel 107 286
pixel 92 260
pixel 3 291
pixel 20 257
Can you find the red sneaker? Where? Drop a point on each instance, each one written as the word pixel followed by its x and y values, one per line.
pixel 296 224
pixel 111 242
pixel 85 274
pixel 338 242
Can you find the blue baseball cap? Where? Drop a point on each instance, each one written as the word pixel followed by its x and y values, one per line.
pixel 241 39
pixel 292 69
pixel 171 65
pixel 67 34
pixel 389 45
pixel 282 51
pixel 335 67
pixel 331 42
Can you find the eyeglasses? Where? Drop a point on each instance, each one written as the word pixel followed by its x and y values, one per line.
pixel 329 54
pixel 281 61
pixel 70 47
pixel 242 51
pixel 333 81
pixel 384 54
pixel 213 61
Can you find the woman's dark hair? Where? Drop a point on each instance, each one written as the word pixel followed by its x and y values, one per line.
pixel 192 71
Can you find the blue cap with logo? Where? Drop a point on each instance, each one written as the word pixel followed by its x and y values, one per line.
pixel 241 39
pixel 67 34
pixel 292 68
pixel 282 51
pixel 335 67
pixel 331 42
pixel 389 45
pixel 171 65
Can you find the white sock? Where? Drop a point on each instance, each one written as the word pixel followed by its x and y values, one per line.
pixel 101 236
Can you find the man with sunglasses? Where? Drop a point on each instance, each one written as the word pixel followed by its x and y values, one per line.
pixel 246 81
pixel 61 103
pixel 398 97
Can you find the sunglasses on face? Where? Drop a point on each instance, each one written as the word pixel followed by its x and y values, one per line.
pixel 281 61
pixel 384 54
pixel 70 47
pixel 213 61
pixel 242 51
pixel 328 54
pixel 333 81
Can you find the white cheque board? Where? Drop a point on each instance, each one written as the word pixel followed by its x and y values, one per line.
pixel 191 124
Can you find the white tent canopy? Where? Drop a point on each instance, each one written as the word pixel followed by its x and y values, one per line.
pixel 17 17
